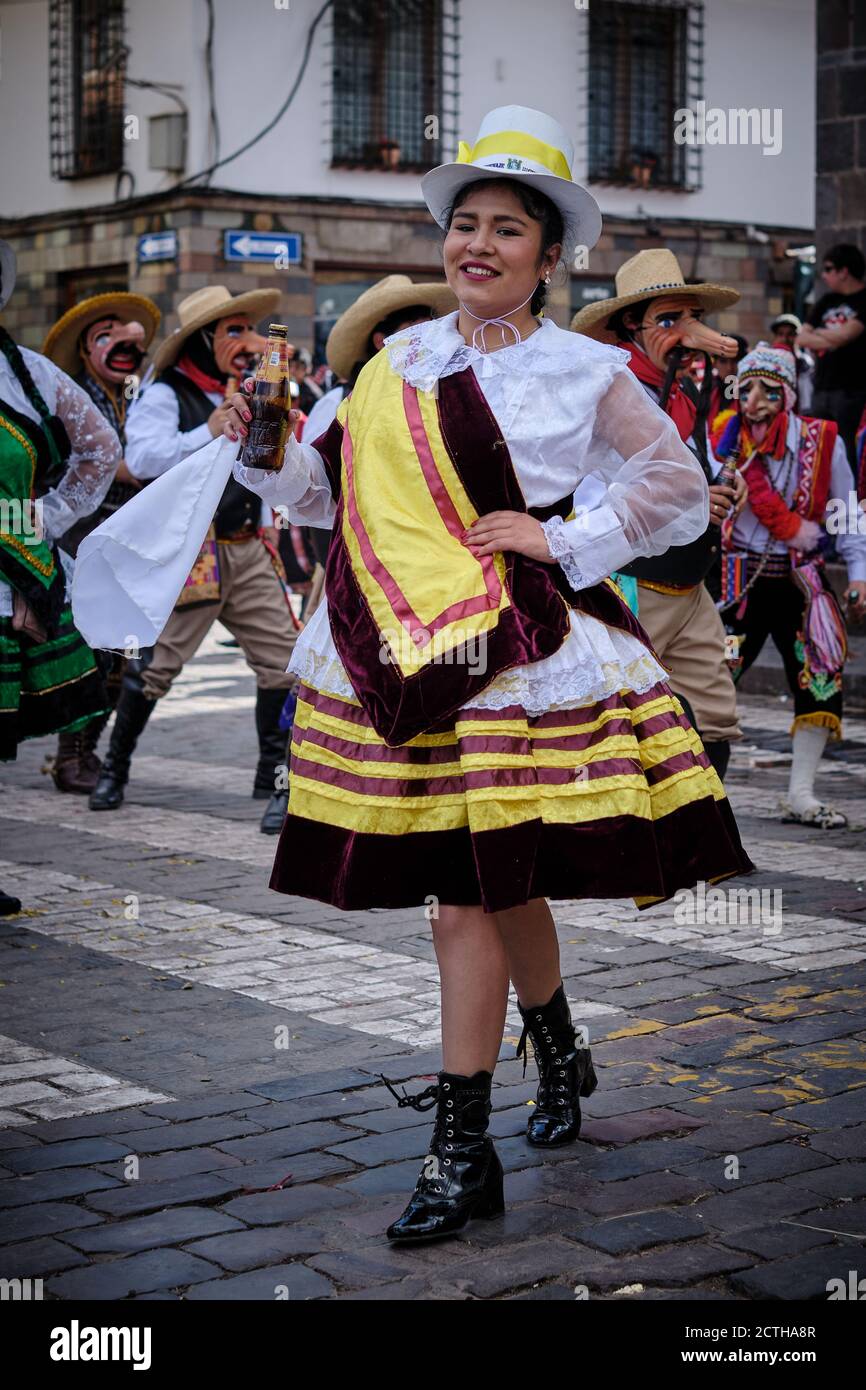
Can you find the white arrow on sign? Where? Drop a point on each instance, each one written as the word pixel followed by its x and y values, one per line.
pixel 152 244
pixel 262 246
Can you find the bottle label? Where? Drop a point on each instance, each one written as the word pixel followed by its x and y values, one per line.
pixel 275 359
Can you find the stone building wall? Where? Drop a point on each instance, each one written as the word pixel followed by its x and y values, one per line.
pixel 841 111
pixel 62 259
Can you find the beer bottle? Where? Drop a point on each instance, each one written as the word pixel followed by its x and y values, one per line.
pixel 728 474
pixel 269 405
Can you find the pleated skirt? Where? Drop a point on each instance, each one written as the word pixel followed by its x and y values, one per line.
pixel 46 687
pixel 611 799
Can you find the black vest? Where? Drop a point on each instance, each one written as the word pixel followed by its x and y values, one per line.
pixel 681 566
pixel 238 507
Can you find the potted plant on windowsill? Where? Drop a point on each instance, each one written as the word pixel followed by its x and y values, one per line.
pixel 389 153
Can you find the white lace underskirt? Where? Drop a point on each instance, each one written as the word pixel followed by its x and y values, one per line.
pixel 593 662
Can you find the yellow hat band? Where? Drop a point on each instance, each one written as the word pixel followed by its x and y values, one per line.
pixel 512 147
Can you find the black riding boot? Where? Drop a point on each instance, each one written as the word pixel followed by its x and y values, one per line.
pixel 133 711
pixel 719 752
pixel 273 742
pixel 565 1071
pixel 462 1175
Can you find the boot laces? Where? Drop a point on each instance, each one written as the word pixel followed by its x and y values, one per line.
pixel 431 1093
pixel 552 1071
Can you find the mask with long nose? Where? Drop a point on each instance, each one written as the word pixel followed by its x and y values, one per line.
pixel 113 348
pixel 237 346
pixel 675 321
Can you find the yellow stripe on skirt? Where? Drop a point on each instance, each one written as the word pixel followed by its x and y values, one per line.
pixel 611 799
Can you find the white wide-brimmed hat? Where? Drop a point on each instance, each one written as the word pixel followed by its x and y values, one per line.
pixel 517 142
pixel 8 266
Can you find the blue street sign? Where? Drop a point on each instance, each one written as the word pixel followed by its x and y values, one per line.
pixel 157 246
pixel 263 246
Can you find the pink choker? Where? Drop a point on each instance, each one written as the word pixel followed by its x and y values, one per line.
pixel 503 323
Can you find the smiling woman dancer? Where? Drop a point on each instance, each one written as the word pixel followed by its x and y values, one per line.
pixel 482 724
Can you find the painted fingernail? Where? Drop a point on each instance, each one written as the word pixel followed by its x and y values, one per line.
pixel 247 415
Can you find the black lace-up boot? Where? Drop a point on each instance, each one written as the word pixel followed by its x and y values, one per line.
pixel 565 1071
pixel 461 1176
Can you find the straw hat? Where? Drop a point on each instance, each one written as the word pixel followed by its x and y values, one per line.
pixel 7 272
pixel 61 342
pixel 206 306
pixel 347 340
pixel 647 275
pixel 517 142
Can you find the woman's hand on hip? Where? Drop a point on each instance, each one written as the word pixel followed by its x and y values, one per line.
pixel 517 531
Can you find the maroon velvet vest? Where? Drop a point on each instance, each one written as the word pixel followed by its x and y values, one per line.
pixel 533 627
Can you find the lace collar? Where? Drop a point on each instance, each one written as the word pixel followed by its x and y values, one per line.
pixel 427 351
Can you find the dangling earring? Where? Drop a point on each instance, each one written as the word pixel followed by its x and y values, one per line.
pixel 547 277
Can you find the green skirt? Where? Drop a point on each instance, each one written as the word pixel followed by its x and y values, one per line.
pixel 46 687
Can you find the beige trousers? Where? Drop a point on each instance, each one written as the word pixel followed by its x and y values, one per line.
pixel 252 607
pixel 689 636
pixel 316 594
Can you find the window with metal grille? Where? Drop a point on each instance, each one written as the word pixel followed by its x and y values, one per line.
pixel 645 60
pixel 87 60
pixel 394 83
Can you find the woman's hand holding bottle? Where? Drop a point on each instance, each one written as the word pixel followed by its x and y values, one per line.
pixel 239 414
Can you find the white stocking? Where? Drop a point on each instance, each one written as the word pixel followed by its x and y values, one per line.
pixel 809 743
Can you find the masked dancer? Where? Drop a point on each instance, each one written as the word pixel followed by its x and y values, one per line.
pixel 237 578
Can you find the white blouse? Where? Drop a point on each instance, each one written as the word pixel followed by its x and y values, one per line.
pixel 96 451
pixel 576 420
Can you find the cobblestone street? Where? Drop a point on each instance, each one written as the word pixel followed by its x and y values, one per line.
pixel 190 1102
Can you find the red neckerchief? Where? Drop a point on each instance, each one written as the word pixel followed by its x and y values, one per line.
pixel 681 409
pixel 774 442
pixel 768 505
pixel 206 383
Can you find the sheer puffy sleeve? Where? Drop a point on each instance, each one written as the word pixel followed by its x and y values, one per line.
pixel 96 454
pixel 305 490
pixel 641 492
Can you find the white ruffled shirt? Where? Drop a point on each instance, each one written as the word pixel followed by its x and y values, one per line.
pixel 576 420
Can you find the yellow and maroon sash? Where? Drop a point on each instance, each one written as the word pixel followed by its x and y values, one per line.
pixel 420 623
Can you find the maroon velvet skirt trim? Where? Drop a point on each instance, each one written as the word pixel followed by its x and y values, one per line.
pixel 499 869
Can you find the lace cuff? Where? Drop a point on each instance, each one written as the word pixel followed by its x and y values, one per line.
pixel 559 547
